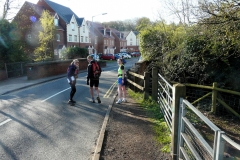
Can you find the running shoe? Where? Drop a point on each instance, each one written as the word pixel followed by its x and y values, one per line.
pixel 98 99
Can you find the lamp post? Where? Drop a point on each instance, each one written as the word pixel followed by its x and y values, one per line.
pixel 95 54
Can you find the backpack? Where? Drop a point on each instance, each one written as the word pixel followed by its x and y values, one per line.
pixel 96 70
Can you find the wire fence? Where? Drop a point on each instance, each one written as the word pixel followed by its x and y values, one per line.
pixel 16 69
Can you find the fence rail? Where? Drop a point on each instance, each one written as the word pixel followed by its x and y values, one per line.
pixel 194 136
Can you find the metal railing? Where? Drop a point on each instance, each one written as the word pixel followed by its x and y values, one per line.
pixel 194 136
pixel 200 138
pixel 165 100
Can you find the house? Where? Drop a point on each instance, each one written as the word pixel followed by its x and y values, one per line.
pixel 120 41
pixel 71 30
pixel 133 41
pixel 102 37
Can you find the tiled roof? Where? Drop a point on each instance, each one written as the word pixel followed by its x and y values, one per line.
pixel 79 21
pixel 64 12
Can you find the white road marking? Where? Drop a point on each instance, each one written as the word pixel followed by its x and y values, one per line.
pixel 55 94
pixel 5 122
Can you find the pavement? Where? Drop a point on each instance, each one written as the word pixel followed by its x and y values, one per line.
pixel 14 84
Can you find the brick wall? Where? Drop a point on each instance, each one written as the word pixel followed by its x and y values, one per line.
pixel 3 75
pixel 47 69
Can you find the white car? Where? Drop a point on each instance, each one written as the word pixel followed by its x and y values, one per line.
pixel 125 55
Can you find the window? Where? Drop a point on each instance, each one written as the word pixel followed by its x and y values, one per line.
pixel 58 37
pixel 86 39
pixel 95 40
pixel 130 43
pixel 56 22
pixel 73 27
pixel 75 38
pixel 81 38
pixel 104 41
pixel 130 39
pixel 90 40
pixel 83 28
pixel 70 38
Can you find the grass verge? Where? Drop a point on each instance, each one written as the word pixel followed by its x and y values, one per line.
pixel 153 111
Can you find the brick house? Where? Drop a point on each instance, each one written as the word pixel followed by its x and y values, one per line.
pixel 120 41
pixel 133 41
pixel 102 37
pixel 71 30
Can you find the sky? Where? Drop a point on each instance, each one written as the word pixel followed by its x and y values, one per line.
pixel 115 9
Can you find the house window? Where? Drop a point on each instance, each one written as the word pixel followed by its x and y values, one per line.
pixel 73 27
pixel 104 41
pixel 70 38
pixel 81 38
pixel 130 43
pixel 95 40
pixel 86 39
pixel 90 40
pixel 130 39
pixel 75 38
pixel 56 22
pixel 58 37
pixel 83 28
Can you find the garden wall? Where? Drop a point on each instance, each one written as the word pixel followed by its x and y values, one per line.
pixel 52 68
pixel 3 75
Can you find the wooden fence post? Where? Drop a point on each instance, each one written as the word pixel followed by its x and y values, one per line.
pixel 154 83
pixel 179 91
pixel 146 84
pixel 214 98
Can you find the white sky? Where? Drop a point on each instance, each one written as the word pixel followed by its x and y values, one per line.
pixel 115 9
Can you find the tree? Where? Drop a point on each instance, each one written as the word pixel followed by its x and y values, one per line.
pixel 11 48
pixel 8 8
pixel 46 37
pixel 142 23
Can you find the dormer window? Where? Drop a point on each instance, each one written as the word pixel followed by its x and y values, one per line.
pixel 56 18
pixel 73 26
pixel 56 22
pixel 110 33
pixel 104 31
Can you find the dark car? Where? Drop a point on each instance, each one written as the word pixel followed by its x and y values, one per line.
pixel 135 54
pixel 108 56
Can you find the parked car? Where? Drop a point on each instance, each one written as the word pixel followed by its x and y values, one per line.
pixel 135 54
pixel 127 56
pixel 95 58
pixel 116 56
pixel 108 56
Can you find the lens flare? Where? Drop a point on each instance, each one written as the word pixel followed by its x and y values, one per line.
pixel 3 42
pixel 33 19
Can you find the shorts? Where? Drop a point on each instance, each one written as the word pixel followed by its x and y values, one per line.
pixel 120 81
pixel 94 82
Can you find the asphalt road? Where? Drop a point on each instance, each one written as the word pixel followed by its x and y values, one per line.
pixel 38 123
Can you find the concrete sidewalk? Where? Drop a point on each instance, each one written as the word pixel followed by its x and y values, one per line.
pixel 14 84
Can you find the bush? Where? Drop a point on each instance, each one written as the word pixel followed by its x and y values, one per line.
pixel 74 52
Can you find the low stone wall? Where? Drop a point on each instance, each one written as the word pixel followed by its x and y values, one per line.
pixel 52 68
pixel 3 75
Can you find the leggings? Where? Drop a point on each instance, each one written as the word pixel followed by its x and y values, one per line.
pixel 73 89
